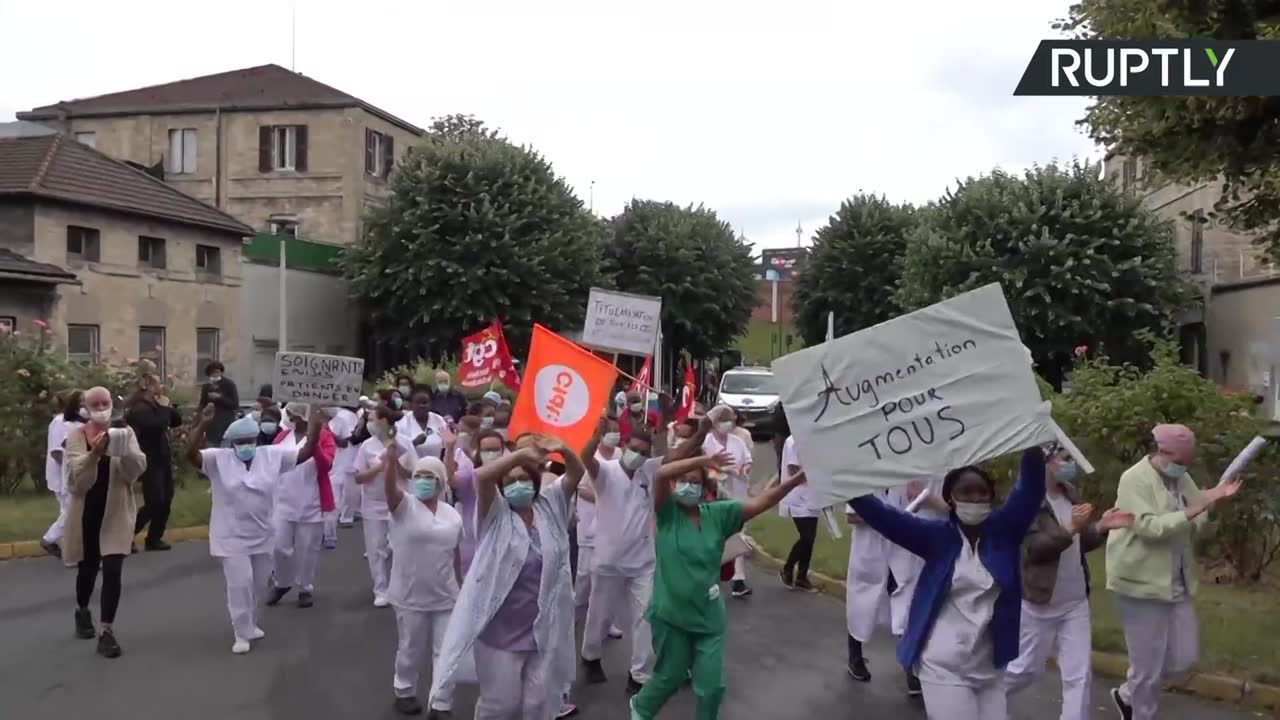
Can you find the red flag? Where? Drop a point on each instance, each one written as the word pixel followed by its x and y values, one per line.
pixel 641 382
pixel 485 358
pixel 688 397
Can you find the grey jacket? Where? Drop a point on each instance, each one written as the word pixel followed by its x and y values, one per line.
pixel 1043 549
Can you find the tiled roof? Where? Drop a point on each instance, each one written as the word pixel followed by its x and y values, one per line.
pixel 266 87
pixel 59 168
pixel 11 263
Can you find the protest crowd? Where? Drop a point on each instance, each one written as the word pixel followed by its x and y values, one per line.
pixel 495 527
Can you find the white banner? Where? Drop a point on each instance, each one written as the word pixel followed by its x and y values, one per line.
pixel 315 378
pixel 621 322
pixel 943 387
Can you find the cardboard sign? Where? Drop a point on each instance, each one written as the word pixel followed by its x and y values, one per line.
pixel 940 388
pixel 321 379
pixel 621 322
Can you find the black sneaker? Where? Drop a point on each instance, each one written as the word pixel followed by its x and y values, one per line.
pixel 739 589
pixel 305 599
pixel 107 645
pixel 84 624
pixel 787 578
pixel 595 672
pixel 408 706
pixel 277 594
pixel 157 545
pixel 804 584
pixel 1122 707
pixel 633 686
pixel 858 670
pixel 52 548
pixel 913 686
pixel 440 715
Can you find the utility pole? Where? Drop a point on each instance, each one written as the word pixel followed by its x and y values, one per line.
pixel 591 197
pixel 799 232
pixel 293 38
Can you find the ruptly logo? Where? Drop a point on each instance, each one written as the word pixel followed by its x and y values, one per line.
pixel 1152 68
pixel 560 395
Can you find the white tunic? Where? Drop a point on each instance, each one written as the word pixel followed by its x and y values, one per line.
pixel 342 425
pixel 409 428
pixel 298 493
pixel 423 547
pixel 739 482
pixel 799 503
pixel 373 494
pixel 242 498
pixel 866 601
pixel 959 650
pixel 53 470
pixel 624 520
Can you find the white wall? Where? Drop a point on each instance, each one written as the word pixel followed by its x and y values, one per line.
pixel 321 319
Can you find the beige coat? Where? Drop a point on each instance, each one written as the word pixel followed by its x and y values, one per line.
pixel 116 537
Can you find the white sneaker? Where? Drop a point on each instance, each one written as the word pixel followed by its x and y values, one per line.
pixel 240 647
pixel 380 602
pixel 615 633
pixel 257 634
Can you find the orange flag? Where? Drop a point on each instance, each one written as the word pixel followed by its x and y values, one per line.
pixel 564 391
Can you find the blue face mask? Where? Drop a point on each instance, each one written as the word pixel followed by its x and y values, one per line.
pixel 519 494
pixel 423 488
pixel 246 452
pixel 1067 473
pixel 397 402
pixel 268 428
pixel 688 494
pixel 1174 470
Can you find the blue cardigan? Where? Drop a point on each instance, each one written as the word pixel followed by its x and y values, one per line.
pixel 939 543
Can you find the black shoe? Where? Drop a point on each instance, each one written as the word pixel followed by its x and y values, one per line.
pixel 154 545
pixel 305 599
pixel 1122 707
pixel 51 548
pixel 633 686
pixel 858 670
pixel 804 584
pixel 787 578
pixel 739 589
pixel 913 686
pixel 440 715
pixel 595 672
pixel 84 624
pixel 277 594
pixel 107 645
pixel 408 706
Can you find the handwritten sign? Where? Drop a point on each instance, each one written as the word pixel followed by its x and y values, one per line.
pixel 314 378
pixel 621 322
pixel 940 388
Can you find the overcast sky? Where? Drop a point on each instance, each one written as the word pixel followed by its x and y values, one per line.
pixel 770 113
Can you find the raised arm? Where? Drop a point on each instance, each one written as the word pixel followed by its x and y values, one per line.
pixel 196 443
pixel 901 528
pixel 589 461
pixel 1018 512
pixel 771 497
pixel 314 425
pixel 490 475
pixel 573 465
pixel 389 480
pixel 691 448
pixel 673 470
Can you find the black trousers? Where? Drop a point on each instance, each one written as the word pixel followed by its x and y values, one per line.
pixel 157 496
pixel 802 550
pixel 87 570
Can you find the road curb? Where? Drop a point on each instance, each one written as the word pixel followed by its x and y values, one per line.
pixel 32 549
pixel 1213 687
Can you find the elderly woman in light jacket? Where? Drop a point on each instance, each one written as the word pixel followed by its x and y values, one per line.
pixel 102 465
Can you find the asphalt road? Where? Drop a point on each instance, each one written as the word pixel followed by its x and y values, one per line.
pixel 785 657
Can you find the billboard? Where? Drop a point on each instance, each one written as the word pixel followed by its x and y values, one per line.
pixel 781 264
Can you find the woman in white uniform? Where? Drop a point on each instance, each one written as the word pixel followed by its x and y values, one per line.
pixel 964 621
pixel 303 496
pixel 68 418
pixel 243 482
pixel 798 505
pixel 515 610
pixel 375 516
pixel 422 427
pixel 342 423
pixel 736 483
pixel 426 571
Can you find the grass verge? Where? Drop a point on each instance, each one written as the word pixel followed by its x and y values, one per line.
pixel 26 516
pixel 1238 626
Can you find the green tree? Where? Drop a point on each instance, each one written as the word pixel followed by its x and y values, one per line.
pixel 1081 262
pixel 853 267
pixel 476 228
pixel 1234 140
pixel 692 260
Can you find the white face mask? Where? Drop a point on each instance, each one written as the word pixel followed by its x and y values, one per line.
pixel 973 513
pixel 100 417
pixel 490 455
pixel 725 427
pixel 631 459
pixel 611 440
pixel 637 406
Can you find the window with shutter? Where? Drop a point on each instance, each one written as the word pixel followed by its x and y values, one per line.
pixel 370 152
pixel 264 149
pixel 300 161
pixel 388 155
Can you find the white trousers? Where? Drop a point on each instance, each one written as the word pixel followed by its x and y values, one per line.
pixel 377 548
pixel 55 531
pixel 1070 631
pixel 1163 639
pixel 246 577
pixel 348 496
pixel 513 685
pixel 297 554
pixel 421 635
pixel 622 600
pixel 582 581
pixel 960 702
pixel 331 528
pixel 740 568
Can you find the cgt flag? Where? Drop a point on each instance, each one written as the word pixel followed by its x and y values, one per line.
pixel 641 382
pixel 485 358
pixel 689 394
pixel 567 389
